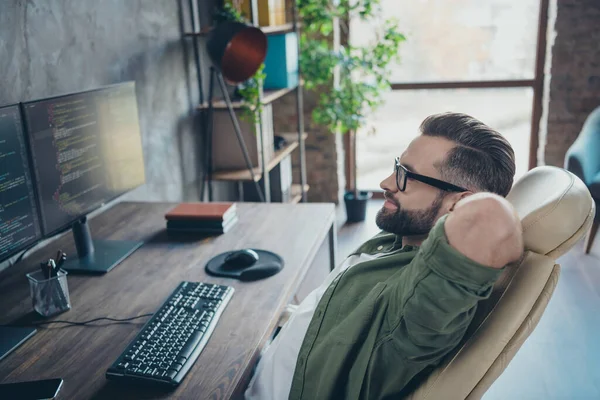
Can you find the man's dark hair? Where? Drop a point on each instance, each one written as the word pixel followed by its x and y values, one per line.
pixel 482 160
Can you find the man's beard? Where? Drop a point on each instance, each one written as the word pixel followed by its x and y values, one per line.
pixel 408 223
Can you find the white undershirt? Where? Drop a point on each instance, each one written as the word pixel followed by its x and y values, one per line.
pixel 272 379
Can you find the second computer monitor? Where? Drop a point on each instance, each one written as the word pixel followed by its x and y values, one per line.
pixel 19 225
pixel 86 150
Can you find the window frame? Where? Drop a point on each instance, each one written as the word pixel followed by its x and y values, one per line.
pixel 537 84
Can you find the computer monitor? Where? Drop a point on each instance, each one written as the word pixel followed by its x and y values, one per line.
pixel 86 150
pixel 19 221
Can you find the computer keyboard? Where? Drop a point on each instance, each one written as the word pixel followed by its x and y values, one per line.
pixel 170 342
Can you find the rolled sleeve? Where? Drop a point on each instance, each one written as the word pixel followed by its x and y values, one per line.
pixel 452 265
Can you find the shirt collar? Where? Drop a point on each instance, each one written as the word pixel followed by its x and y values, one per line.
pixel 398 244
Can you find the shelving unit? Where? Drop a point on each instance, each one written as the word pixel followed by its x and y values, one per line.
pixel 244 174
pixel 269 96
pixel 297 192
pixel 294 141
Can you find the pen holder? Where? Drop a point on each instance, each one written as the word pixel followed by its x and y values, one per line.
pixel 49 296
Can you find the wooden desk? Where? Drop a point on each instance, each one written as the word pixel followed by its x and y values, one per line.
pixel 81 355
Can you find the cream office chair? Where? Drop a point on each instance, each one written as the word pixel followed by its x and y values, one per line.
pixel 556 210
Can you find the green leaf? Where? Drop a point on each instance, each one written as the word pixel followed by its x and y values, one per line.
pixel 364 71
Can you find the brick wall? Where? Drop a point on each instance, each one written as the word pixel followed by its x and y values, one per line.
pixel 323 151
pixel 574 87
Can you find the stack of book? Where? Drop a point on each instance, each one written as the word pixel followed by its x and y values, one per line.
pixel 202 218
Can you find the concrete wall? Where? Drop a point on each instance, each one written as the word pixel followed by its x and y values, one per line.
pixel 574 85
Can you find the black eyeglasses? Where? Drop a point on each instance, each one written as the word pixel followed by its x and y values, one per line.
pixel 402 174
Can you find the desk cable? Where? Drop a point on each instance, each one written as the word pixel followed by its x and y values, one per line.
pixel 82 323
pixel 75 323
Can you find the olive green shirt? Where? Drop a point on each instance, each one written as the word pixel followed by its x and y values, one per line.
pixel 383 321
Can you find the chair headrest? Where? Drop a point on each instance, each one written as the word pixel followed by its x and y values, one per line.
pixel 555 207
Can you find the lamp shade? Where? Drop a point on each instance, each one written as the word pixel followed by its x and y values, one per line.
pixel 237 50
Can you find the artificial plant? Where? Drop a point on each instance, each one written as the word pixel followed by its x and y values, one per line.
pixel 248 91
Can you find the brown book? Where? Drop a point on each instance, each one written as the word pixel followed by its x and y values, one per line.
pixel 202 211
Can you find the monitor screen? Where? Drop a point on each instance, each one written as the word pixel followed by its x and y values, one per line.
pixel 86 150
pixel 19 222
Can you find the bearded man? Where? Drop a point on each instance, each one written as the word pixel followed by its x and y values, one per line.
pixel 404 299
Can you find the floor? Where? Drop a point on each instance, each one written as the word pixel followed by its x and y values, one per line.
pixel 561 359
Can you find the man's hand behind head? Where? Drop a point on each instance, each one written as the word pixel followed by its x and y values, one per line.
pixel 485 228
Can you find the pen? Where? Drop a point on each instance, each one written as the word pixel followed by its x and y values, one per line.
pixel 49 285
pixel 53 269
pixel 44 269
pixel 61 260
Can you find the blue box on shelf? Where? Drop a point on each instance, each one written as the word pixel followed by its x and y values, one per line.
pixel 281 63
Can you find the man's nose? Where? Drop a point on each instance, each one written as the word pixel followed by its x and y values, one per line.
pixel 389 184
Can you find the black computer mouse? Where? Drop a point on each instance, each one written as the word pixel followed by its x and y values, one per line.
pixel 240 259
pixel 260 272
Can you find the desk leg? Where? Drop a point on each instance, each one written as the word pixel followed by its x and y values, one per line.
pixel 332 245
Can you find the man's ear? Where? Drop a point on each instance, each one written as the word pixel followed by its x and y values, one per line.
pixel 458 197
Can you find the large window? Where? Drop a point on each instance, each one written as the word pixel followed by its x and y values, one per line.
pixel 470 56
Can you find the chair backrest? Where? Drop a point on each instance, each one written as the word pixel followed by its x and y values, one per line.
pixel 556 210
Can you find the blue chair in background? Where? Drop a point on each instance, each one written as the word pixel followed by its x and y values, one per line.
pixel 583 159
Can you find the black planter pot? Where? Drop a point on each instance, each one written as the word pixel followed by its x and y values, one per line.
pixel 356 207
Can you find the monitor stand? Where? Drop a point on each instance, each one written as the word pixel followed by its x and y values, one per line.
pixel 96 256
